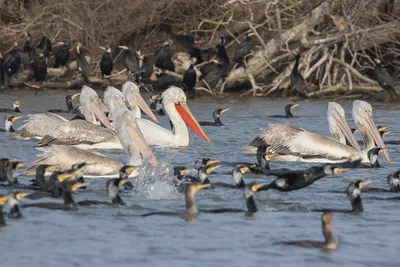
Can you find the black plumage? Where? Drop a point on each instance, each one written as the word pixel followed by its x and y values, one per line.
pixel 216 115
pixel 13 61
pixel 28 48
pixel 243 49
pixel 3 74
pixel 45 46
pixel 214 75
pixel 8 123
pixel 39 67
pixel 62 55
pixel 288 112
pixel 106 63
pixel 83 65
pixel 384 79
pixel 163 58
pixel 130 60
pixel 190 79
pixel 145 69
pixel 298 83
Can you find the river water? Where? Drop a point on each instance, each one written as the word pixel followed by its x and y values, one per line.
pixel 104 236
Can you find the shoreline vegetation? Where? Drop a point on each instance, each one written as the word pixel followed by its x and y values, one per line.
pixel 338 43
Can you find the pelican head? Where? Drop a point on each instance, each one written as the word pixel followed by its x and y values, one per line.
pixel 338 126
pixel 90 107
pixel 362 115
pixel 177 96
pixel 131 138
pixel 114 99
pixel 133 99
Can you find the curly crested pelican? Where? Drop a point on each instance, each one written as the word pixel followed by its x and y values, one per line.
pixel 99 166
pixel 174 101
pixel 90 107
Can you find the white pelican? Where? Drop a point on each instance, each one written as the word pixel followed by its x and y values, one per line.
pixel 174 101
pixel 99 166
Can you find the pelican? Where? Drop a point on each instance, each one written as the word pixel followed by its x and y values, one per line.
pixel 99 166
pixel 90 107
pixel 362 116
pixel 135 101
pixel 174 100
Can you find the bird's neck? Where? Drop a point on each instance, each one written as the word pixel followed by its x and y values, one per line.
pixel 296 65
pixel 330 239
pixel 12 180
pixel 69 105
pixel 16 108
pixel 8 125
pixel 251 204
pixel 288 112
pixel 118 200
pixel 136 111
pixel 217 120
pixel 2 221
pixel 190 205
pixel 357 204
pixel 68 200
pixel 373 159
pixel 14 211
pixel 181 135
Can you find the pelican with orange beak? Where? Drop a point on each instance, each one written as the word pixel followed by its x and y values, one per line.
pixel 174 101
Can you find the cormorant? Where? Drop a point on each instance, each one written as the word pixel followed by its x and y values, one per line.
pixel 353 192
pixel 373 156
pixel 68 102
pixel 188 42
pixel 330 243
pixel 191 209
pixel 190 79
pixel 297 81
pixel 3 74
pixel 62 55
pixel 45 46
pixel 202 175
pixel 244 49
pixel 8 123
pixel 156 104
pixel 237 174
pixel 204 162
pixel 163 58
pixel 15 108
pixel 223 57
pixel 106 63
pixel 13 61
pixel 216 114
pixel 7 170
pixel 393 181
pixel 83 65
pixel 14 211
pixel 130 62
pixel 384 79
pixel 214 76
pixel 3 200
pixel 288 112
pixel 28 48
pixel 263 156
pixel 145 69
pixel 39 67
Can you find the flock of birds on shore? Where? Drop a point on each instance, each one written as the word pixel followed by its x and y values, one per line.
pixel 215 64
pixel 115 122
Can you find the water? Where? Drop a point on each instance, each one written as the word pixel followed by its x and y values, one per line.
pixel 101 236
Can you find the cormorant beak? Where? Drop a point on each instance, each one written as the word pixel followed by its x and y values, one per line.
pixel 386 133
pixel 327 217
pixel 223 111
pixel 383 128
pixel 201 186
pixel 209 162
pixel 140 63
pixel 102 48
pixel 129 170
pixel 76 186
pixel 3 200
pixel 251 34
pixel 338 170
pixel 19 165
pixel 15 44
pixel 154 97
pixel 78 49
pixel 186 171
pixel 98 112
pixel 141 103
pixel 21 195
pixel 216 61
pixel 122 182
pixel 16 118
pixel 190 120
pixel 256 187
pixel 166 43
pixel 354 131
pixel 123 47
pixel 60 43
pixel 244 169
pixel 365 182
pixel 75 95
pixel 64 176
pixel 17 102
pixel 212 168
pixel 294 106
pixel 377 60
pixel 372 130
pixel 141 143
pixel 268 156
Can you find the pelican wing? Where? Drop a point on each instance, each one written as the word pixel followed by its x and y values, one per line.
pixel 63 157
pixel 275 134
pixel 154 133
pixel 38 125
pixel 78 132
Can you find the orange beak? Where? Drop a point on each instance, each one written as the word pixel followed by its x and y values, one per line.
pixel 190 120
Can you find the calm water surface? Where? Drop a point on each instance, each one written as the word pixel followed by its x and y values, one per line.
pixel 104 236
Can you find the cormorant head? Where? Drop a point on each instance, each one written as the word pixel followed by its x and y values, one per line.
pixel 166 44
pixel 222 41
pixel 354 130
pixel 291 106
pixel 205 171
pixel 373 154
pixel 79 47
pixel 193 188
pixel 65 176
pixel 179 172
pixel 18 195
pixel 378 61
pixel 326 217
pixel 28 37
pixel 9 121
pixel 331 169
pixel 43 168
pixel 238 173
pixel 267 154
pixel 251 188
pixel 217 61
pixel 204 162
pixel 73 186
pixel 63 44
pixel 248 35
pixel 126 171
pixel 219 112
pixel 106 49
pixel 193 61
pixel 14 165
pixel 16 103
pixel 354 189
pixel 154 97
pixel 393 180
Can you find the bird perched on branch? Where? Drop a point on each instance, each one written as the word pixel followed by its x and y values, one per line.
pixel 163 57
pixel 130 60
pixel 39 67
pixel 384 79
pixel 45 46
pixel 106 63
pixel 145 69
pixel 3 74
pixel 298 83
pixel 83 65
pixel 244 49
pixel 190 79
pixel 62 55
pixel 13 61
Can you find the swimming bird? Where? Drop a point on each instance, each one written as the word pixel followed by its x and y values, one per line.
pixel 288 112
pixel 62 55
pixel 3 200
pixel 244 48
pixel 16 104
pixel 263 156
pixel 106 63
pixel 156 104
pixel 216 115
pixel 7 170
pixel 204 162
pixel 384 79
pixel 13 200
pixel 298 83
pixel 191 209
pixel 353 192
pixel 202 175
pixel 83 65
pixel 8 123
pixel 68 102
pixel 330 243
pixel 174 103
pixel 39 67
pixel 130 137
pixel 90 107
pixel 237 174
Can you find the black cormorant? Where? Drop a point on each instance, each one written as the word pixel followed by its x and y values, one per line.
pixel 13 199
pixel 243 49
pixel 288 112
pixel 214 76
pixel 62 55
pixel 3 74
pixel 223 57
pixel 106 63
pixel 384 79
pixel 263 156
pixel 28 48
pixel 204 162
pixel 190 79
pixel 330 243
pixel 298 83
pixel 8 123
pixel 163 58
pixel 3 200
pixel 45 46
pixel 393 181
pixel 39 67
pixel 130 62
pixel 237 175
pixel 216 115
pixel 13 61
pixel 145 69
pixel 16 104
pixel 83 65
pixel 7 170
pixel 68 102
